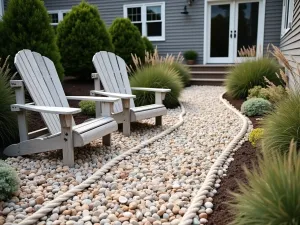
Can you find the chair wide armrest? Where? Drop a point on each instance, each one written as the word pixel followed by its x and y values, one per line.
pixel 162 90
pixel 46 109
pixel 93 98
pixel 110 94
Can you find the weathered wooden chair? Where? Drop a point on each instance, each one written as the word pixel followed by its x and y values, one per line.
pixel 39 75
pixel 111 71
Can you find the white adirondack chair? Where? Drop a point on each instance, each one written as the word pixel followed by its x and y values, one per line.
pixel 111 71
pixel 41 80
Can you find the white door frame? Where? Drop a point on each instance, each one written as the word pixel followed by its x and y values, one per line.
pixel 261 27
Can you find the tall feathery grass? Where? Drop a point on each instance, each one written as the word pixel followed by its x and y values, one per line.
pixel 248 74
pixel 8 122
pixel 159 76
pixel 153 59
pixel 272 196
pixel 282 125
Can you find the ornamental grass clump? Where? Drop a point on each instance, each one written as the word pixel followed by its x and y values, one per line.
pixel 9 181
pixel 80 35
pixel 159 76
pixel 246 75
pixel 8 119
pixel 256 107
pixel 171 61
pixel 272 194
pixel 282 125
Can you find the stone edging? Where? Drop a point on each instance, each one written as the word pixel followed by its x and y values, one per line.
pixel 214 173
pixel 49 206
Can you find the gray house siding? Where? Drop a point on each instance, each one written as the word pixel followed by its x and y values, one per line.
pixel 183 32
pixel 272 23
pixel 290 42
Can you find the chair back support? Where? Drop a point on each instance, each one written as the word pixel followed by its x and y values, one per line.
pixel 113 75
pixel 43 84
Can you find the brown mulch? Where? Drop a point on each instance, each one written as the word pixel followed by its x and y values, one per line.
pixel 246 156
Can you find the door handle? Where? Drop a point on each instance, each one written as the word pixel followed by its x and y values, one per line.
pixel 235 34
pixel 231 34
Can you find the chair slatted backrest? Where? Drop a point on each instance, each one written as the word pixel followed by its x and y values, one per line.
pixel 113 75
pixel 43 84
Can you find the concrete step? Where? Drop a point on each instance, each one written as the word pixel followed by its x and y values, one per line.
pixel 209 74
pixel 207 81
pixel 210 67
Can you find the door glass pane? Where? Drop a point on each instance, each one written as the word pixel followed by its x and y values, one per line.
pixel 247 26
pixel 219 32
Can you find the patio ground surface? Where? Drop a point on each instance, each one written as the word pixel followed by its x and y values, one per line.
pixel 153 186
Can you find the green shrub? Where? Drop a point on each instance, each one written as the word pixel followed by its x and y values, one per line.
pixel 148 45
pixel 274 94
pixel 255 136
pixel 249 74
pixel 282 125
pixel 8 119
pixel 183 72
pixel 190 55
pixel 158 76
pixel 9 181
pixel 271 195
pixel 88 107
pixel 256 107
pixel 255 92
pixel 127 40
pixel 26 25
pixel 80 35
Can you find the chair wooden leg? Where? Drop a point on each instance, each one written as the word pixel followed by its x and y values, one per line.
pixel 158 120
pixel 67 140
pixel 126 123
pixel 106 140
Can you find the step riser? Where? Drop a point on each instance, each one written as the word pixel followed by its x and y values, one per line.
pixel 210 83
pixel 209 69
pixel 209 76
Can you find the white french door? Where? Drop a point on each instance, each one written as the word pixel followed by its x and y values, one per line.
pixel 232 26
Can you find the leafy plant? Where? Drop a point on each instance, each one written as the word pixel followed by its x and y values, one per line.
pixel 9 181
pixel 8 119
pixel 127 40
pixel 274 94
pixel 282 125
pixel 190 55
pixel 255 92
pixel 249 74
pixel 272 194
pixel 88 107
pixel 148 45
pixel 26 25
pixel 80 35
pixel 255 136
pixel 256 107
pixel 158 76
